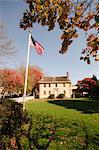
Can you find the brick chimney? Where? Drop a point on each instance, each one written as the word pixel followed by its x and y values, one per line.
pixel 67 75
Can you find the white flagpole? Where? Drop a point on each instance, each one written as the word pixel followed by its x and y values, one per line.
pixel 26 72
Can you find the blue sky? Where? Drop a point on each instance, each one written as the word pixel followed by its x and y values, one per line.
pixel 51 62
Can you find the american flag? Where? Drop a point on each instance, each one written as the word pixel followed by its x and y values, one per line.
pixel 36 45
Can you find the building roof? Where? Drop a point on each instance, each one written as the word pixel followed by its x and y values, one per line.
pixel 61 79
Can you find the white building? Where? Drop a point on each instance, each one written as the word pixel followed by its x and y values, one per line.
pixel 55 85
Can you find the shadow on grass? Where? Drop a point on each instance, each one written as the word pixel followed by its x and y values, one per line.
pixel 86 106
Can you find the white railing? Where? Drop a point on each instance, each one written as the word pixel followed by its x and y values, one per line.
pixel 20 99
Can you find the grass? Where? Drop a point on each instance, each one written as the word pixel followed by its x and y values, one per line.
pixel 79 116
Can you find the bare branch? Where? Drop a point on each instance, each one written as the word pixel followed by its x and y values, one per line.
pixel 6 45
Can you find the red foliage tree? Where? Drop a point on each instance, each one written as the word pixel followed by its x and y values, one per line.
pixel 33 78
pixel 87 85
pixel 10 80
pixel 34 75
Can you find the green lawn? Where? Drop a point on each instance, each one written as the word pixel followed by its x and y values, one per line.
pixel 78 118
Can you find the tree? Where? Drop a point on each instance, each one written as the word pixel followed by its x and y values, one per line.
pixel 6 45
pixel 87 85
pixel 96 92
pixel 34 75
pixel 11 81
pixel 70 15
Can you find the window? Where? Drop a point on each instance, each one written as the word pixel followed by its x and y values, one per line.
pixel 49 85
pixel 44 85
pixel 64 92
pixel 44 92
pixel 63 84
pixel 56 84
pixel 49 92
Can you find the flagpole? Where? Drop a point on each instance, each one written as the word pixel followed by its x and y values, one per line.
pixel 26 72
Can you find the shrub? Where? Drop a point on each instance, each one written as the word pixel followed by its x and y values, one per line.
pixel 51 96
pixel 11 122
pixel 61 96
